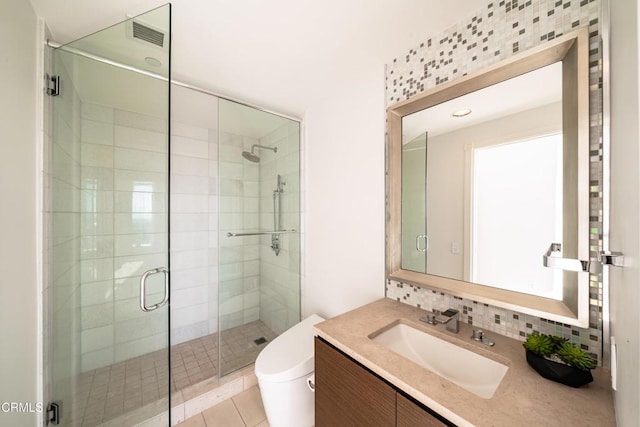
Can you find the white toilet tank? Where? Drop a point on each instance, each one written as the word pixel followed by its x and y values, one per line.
pixel 282 368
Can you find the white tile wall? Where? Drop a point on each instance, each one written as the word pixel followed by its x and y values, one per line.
pixel 236 215
pixel 138 160
pixel 140 121
pixel 97 155
pixel 190 147
pixel 97 131
pixel 280 275
pixel 140 139
pixel 123 231
pixel 192 215
pixel 95 112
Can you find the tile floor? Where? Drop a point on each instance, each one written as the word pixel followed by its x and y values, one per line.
pixel 108 392
pixel 242 410
pixel 238 346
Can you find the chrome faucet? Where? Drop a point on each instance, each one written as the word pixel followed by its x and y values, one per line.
pixel 450 317
pixel 478 335
pixel 430 317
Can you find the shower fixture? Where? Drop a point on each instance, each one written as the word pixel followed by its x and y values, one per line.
pixel 253 157
pixel 277 214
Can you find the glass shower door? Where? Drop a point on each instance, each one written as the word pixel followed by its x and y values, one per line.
pixel 107 209
pixel 415 239
pixel 259 231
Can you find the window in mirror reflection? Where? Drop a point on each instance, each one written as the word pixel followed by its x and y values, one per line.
pixel 516 210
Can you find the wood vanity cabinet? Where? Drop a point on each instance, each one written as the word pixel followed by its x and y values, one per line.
pixel 348 394
pixel 410 414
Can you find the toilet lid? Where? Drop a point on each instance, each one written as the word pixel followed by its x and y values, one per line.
pixel 290 355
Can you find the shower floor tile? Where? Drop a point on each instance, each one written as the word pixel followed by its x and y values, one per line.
pixel 239 348
pixel 106 393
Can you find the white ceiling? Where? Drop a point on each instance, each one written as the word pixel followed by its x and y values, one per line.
pixel 280 54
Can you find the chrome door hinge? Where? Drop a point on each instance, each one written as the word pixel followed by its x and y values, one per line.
pixel 53 413
pixel 52 85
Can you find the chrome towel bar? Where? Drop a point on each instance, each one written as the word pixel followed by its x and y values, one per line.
pixel 604 258
pixel 260 233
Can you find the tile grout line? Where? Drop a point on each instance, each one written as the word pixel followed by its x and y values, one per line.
pixel 233 401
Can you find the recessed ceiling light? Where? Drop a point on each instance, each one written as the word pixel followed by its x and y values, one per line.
pixel 461 113
pixel 152 61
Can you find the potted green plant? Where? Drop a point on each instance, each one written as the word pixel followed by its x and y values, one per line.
pixel 558 360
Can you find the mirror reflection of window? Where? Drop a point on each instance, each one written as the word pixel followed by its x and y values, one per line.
pixel 516 212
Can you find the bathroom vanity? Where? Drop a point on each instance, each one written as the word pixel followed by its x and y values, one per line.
pixel 360 381
pixel 350 394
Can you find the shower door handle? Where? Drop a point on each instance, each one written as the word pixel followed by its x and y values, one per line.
pixel 143 283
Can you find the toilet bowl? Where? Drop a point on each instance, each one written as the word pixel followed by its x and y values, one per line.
pixel 282 368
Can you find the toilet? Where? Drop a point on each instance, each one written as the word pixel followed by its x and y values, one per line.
pixel 283 368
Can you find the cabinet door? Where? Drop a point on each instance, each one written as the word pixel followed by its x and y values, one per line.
pixel 347 394
pixel 412 415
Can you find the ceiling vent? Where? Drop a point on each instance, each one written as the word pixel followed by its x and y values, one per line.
pixel 147 34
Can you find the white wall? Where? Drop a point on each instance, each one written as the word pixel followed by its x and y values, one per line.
pixel 344 197
pixel 18 302
pixel 625 207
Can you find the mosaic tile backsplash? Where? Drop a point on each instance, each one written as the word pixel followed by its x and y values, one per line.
pixel 493 33
pixel 504 322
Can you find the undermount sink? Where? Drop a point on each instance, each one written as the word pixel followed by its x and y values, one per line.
pixel 471 371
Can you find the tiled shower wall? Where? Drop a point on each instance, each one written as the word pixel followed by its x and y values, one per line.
pixel 124 217
pixel 194 215
pixel 498 31
pixel 115 237
pixel 239 257
pixel 280 275
pixel 255 284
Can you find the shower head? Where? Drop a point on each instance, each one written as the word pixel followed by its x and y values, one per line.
pixel 253 157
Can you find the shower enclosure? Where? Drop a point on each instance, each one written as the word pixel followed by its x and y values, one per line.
pixel 259 219
pixel 153 214
pixel 106 201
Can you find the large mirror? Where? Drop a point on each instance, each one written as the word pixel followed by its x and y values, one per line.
pixel 486 173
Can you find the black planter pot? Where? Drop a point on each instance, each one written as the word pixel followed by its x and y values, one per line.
pixel 558 372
